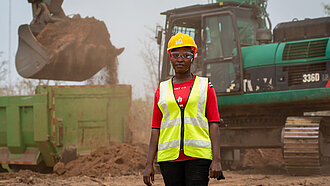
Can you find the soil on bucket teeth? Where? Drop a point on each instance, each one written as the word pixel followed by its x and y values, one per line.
pixel 81 42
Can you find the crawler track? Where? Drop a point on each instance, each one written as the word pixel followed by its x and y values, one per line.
pixel 301 150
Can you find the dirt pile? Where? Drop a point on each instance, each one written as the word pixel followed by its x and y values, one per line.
pixel 80 45
pixel 115 160
pixel 257 158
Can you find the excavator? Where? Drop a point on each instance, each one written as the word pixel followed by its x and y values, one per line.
pixel 69 62
pixel 273 88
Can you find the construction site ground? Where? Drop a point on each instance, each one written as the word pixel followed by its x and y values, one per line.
pixel 123 164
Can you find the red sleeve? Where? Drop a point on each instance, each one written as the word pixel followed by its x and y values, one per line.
pixel 157 115
pixel 212 113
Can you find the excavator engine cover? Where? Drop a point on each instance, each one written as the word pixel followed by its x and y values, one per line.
pixel 303 29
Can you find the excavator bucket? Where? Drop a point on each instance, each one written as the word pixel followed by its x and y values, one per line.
pixel 73 61
pixel 31 57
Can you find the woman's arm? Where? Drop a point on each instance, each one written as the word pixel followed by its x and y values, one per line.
pixel 148 174
pixel 215 167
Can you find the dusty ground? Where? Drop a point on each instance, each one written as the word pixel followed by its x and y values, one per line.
pixel 243 177
pixel 123 165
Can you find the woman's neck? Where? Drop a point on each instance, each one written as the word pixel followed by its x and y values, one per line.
pixel 181 78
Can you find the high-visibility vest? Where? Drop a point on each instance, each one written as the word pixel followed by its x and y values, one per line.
pixel 184 128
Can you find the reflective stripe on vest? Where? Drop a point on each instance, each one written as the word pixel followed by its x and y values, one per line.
pixel 196 141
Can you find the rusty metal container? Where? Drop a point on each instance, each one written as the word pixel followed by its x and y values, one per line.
pixel 41 127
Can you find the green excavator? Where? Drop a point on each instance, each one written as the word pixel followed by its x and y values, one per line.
pixel 68 62
pixel 272 86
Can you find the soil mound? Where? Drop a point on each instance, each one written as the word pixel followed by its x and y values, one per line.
pixel 257 158
pixel 116 160
pixel 80 45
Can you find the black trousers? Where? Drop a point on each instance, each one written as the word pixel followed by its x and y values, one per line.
pixel 186 173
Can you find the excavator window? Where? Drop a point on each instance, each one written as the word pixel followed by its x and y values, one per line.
pixel 192 27
pixel 220 37
pixel 221 60
pixel 247 28
pixel 216 36
pixel 185 30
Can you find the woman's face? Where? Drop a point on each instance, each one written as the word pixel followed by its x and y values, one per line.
pixel 181 59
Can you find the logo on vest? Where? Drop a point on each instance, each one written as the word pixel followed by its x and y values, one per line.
pixel 180 101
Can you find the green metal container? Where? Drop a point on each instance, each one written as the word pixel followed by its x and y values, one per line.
pixel 40 127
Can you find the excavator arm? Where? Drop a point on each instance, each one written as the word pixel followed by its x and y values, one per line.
pixel 44 12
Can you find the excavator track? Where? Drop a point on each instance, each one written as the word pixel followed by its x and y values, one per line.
pixel 301 152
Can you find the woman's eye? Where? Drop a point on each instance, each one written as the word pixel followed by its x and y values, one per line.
pixel 187 56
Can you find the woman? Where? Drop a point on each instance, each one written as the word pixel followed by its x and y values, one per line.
pixel 185 122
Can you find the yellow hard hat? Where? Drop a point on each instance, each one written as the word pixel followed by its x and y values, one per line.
pixel 181 40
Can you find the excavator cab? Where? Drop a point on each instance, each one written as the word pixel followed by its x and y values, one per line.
pixel 216 33
pixel 72 61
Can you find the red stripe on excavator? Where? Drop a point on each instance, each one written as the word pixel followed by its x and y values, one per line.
pixel 328 84
pixel 82 86
pixel 53 107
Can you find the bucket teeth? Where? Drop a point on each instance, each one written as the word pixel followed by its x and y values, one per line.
pixel 301 145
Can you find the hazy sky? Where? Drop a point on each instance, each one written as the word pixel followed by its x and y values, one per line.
pixel 127 22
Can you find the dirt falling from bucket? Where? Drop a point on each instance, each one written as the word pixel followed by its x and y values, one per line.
pixel 81 42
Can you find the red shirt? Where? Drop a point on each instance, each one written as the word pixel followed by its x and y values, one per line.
pixel 181 92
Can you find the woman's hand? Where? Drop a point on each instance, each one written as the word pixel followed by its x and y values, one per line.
pixel 215 169
pixel 149 172
pixel 148 175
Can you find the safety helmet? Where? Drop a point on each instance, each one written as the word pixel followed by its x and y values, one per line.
pixel 181 40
